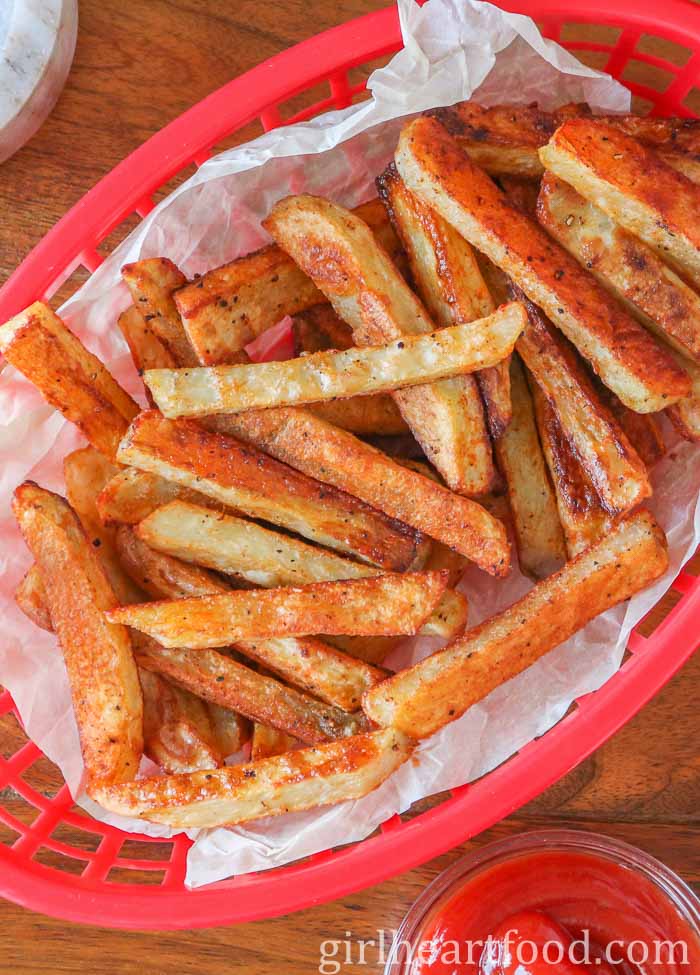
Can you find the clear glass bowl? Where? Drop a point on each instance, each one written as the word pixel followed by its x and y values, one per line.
pixel 440 892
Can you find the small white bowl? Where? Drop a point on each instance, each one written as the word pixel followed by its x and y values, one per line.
pixel 37 43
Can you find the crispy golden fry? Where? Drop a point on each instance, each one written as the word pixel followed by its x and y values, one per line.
pixel 267 742
pixel 440 688
pixel 147 350
pixel 653 293
pixel 242 549
pixel 131 495
pixel 309 444
pixel 685 415
pixel 447 278
pixel 443 558
pixel 308 663
pixel 98 656
pixel 304 779
pixel 371 649
pixel 152 283
pixel 71 379
pixel 633 185
pixel 30 596
pixel 641 429
pixel 411 361
pixel 177 729
pixel 611 462
pixel 624 264
pixel 538 531
pixel 624 355
pixel 522 192
pixel 258 556
pixel 340 253
pixel 226 682
pixel 159 574
pixel 244 478
pixel 228 307
pixel 315 667
pixel 388 605
pixel 365 416
pixel 581 512
pixel 231 730
pixel 86 472
pixel 319 329
pixel 494 384
pixel 181 733
pixel 504 139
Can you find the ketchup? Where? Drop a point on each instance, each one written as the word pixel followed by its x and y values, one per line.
pixel 531 943
pixel 616 915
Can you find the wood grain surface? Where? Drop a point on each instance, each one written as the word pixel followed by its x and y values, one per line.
pixel 139 63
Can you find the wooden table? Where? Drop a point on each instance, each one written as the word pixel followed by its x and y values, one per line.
pixel 138 65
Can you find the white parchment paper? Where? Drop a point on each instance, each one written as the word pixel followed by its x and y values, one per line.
pixel 453 50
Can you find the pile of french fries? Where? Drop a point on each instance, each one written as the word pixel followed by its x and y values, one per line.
pixel 482 352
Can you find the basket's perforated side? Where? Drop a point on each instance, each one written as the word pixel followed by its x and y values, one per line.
pixel 43 836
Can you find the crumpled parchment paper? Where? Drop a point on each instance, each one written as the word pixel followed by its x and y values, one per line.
pixel 454 49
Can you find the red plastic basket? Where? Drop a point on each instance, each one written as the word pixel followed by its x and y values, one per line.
pixel 86 893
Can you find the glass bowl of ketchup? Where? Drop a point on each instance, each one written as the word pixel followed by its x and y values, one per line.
pixel 552 902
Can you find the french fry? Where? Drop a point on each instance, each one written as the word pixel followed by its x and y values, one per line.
pixel 319 329
pixel 440 688
pixel 447 278
pixel 316 667
pixel 131 495
pixel 255 555
pixel 626 265
pixel 611 462
pixel 581 512
pixel 244 478
pixel 622 353
pixel 304 779
pixel 307 443
pixel 338 251
pixel 502 139
pixel 181 733
pixel 371 649
pixel 242 549
pixel 388 605
pixel 411 361
pixel 365 416
pixel 654 294
pixel 221 680
pixel 267 742
pixel 685 415
pixel 505 139
pixel 522 192
pixel 147 350
pixel 494 384
pixel 85 473
pixel 228 307
pixel 98 656
pixel 159 574
pixel 633 185
pixel 538 531
pixel 308 663
pixel 231 730
pixel 30 596
pixel 177 730
pixel 152 283
pixel 641 429
pixel 71 379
